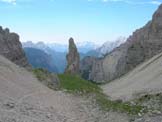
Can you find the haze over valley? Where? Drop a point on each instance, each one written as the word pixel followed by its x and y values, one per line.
pixel 86 61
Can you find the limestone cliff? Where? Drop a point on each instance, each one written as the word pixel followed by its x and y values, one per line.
pixel 86 66
pixel 73 58
pixel 141 46
pixel 11 48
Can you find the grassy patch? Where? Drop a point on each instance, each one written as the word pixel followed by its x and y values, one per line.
pixel 118 105
pixel 41 74
pixel 47 78
pixel 75 84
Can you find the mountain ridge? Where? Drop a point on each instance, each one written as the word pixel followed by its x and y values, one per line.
pixel 139 47
pixel 40 59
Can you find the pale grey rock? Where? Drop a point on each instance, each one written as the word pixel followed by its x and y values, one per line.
pixel 11 48
pixel 97 71
pixel 86 66
pixel 141 46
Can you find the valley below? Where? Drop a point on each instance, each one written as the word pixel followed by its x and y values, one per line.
pixel 120 81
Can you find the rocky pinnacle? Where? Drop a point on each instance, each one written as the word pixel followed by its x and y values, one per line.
pixel 73 58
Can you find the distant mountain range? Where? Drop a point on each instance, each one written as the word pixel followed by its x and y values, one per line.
pixel 39 59
pixel 106 48
pixel 57 52
pixel 110 45
pixel 59 58
pixel 82 47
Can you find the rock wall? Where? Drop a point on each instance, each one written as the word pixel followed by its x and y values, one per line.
pixel 141 46
pixel 11 48
pixel 73 59
pixel 86 66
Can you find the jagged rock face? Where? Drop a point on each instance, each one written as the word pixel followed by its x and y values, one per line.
pixel 146 42
pixel 142 45
pixel 73 59
pixel 86 66
pixel 11 48
pixel 111 66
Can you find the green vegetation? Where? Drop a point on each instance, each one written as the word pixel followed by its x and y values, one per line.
pixel 46 78
pixel 118 105
pixel 41 74
pixel 75 84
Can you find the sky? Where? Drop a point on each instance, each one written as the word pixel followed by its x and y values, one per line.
pixel 85 20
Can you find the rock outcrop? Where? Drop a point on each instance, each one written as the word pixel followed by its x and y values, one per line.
pixel 141 46
pixel 73 59
pixel 143 80
pixel 86 66
pixel 11 48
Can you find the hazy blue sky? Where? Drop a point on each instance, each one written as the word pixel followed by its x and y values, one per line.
pixel 85 20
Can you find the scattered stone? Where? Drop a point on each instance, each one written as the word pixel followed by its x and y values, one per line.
pixel 156 112
pixel 139 114
pixel 9 105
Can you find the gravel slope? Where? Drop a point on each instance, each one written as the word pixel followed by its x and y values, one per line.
pixel 145 78
pixel 24 99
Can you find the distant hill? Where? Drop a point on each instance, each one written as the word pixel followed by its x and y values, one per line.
pixel 39 59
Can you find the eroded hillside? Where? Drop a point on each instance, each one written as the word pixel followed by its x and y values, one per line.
pixel 24 99
pixel 144 79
